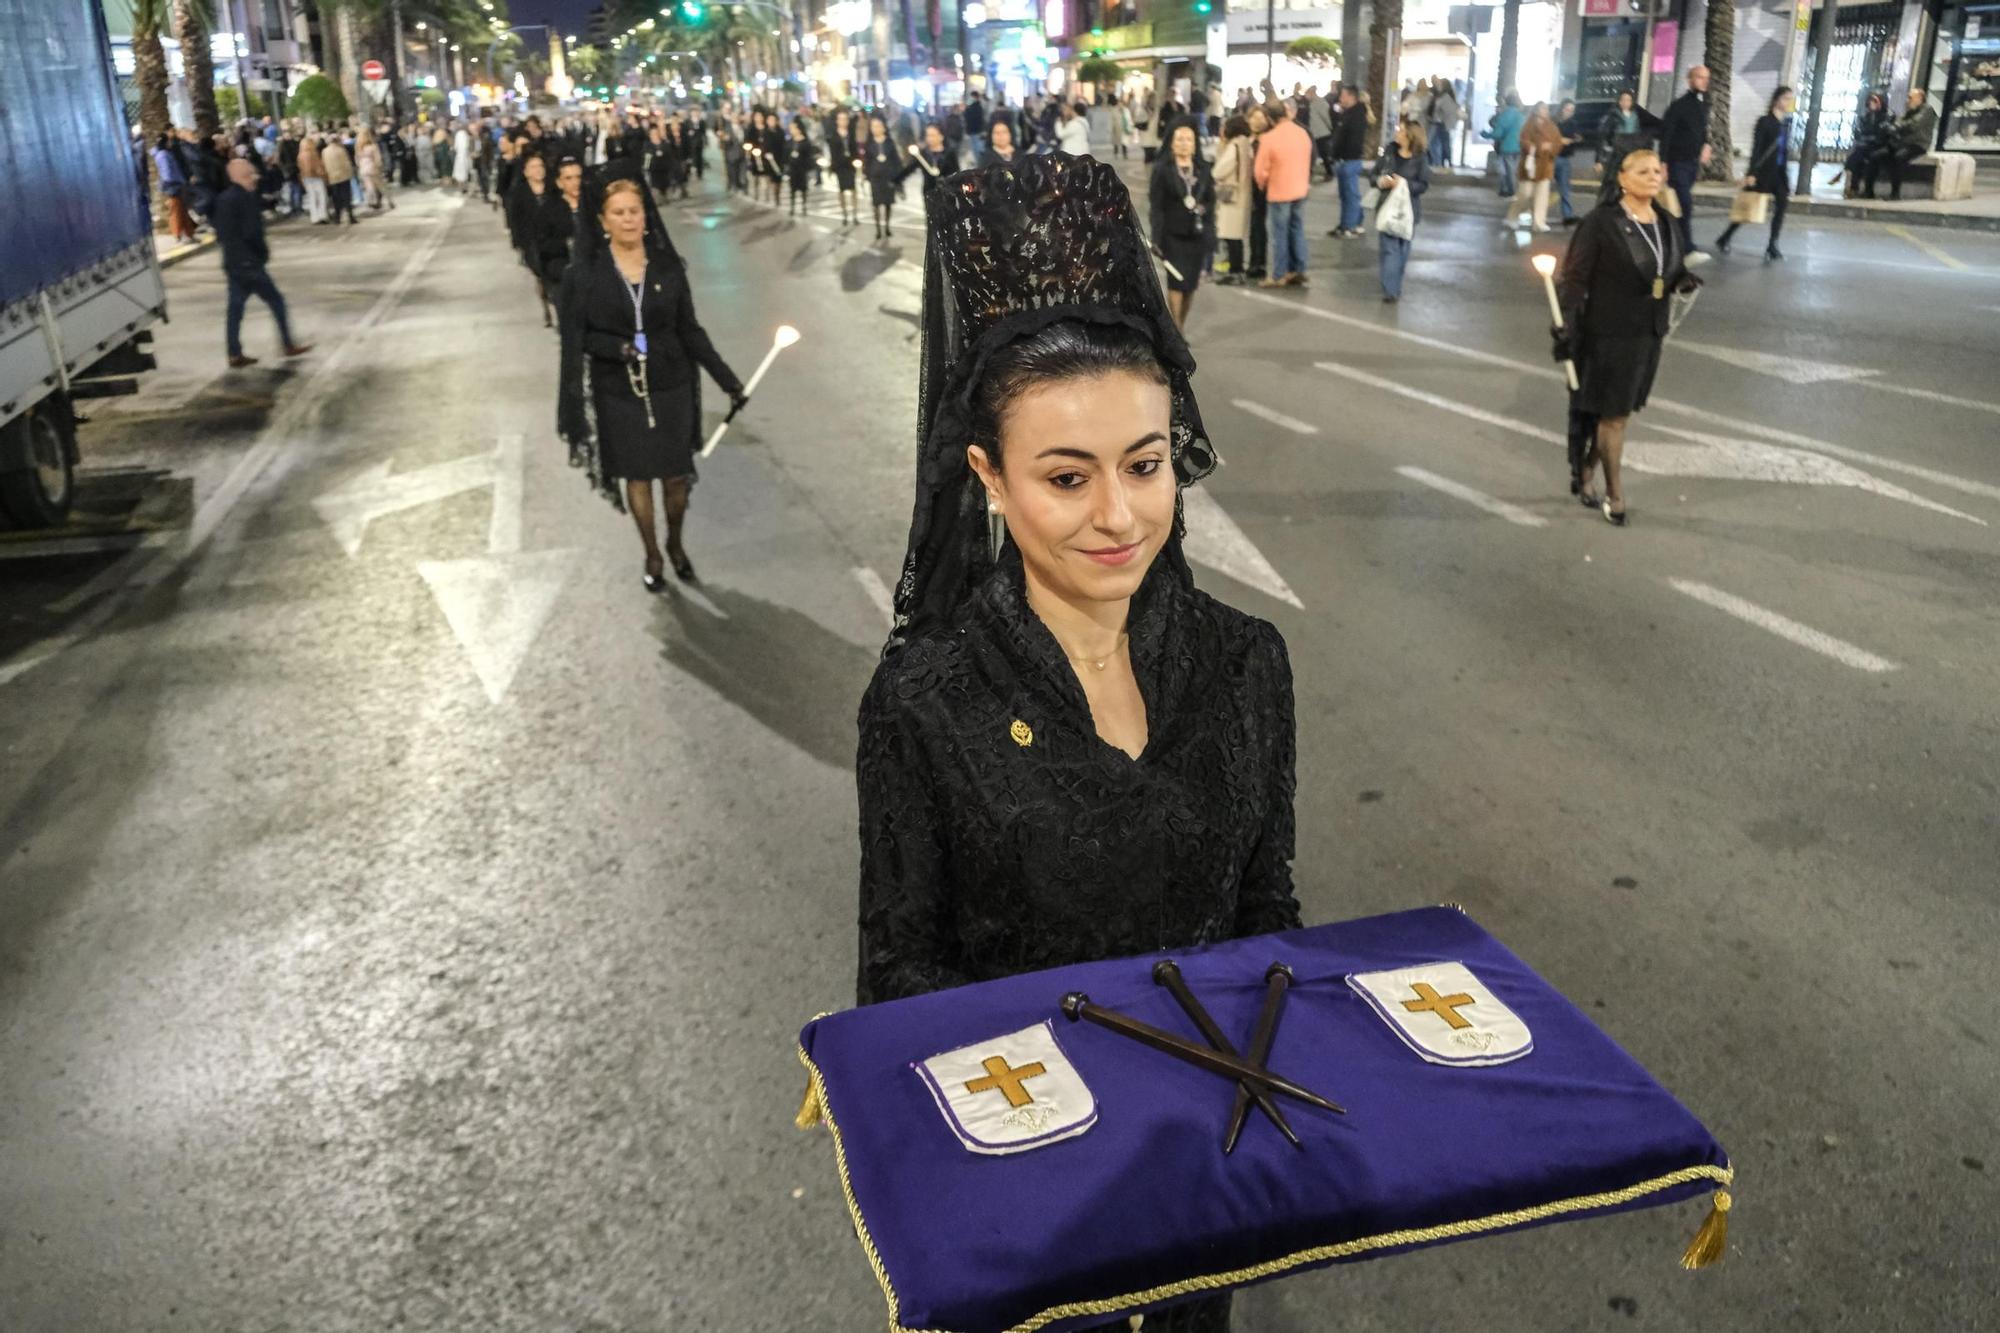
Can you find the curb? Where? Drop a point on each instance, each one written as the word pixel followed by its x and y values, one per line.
pixel 1710 200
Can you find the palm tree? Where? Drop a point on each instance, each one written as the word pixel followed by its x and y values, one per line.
pixel 193 20
pixel 1719 53
pixel 1388 19
pixel 1510 47
pixel 149 72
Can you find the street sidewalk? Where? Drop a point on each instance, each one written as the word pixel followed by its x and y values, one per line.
pixel 1979 213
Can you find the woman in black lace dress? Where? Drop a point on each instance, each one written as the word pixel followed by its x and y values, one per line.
pixel 1068 751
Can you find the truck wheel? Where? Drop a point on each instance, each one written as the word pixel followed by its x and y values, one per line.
pixel 38 495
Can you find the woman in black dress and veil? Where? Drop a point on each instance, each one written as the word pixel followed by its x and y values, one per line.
pixel 1068 752
pixel 632 357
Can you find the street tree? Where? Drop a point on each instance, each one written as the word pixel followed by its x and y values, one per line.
pixel 149 72
pixel 193 21
pixel 1321 52
pixel 1510 51
pixel 318 99
pixel 1388 20
pixel 1719 54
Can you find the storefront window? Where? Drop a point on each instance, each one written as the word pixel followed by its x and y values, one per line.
pixel 1968 57
pixel 1864 47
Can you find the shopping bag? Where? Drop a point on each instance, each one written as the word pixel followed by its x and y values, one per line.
pixel 1397 217
pixel 1751 207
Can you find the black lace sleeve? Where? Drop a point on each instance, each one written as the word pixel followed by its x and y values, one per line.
pixel 572 418
pixel 1266 901
pixel 907 943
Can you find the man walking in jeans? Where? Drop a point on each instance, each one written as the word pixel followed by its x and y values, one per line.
pixel 238 218
pixel 1284 169
pixel 1684 147
pixel 1350 149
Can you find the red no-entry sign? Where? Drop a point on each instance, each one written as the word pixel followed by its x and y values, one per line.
pixel 372 69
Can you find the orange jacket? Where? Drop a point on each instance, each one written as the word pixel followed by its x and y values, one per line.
pixel 1541 138
pixel 1284 162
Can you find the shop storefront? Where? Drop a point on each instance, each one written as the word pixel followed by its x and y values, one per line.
pixel 1965 78
pixel 1253 48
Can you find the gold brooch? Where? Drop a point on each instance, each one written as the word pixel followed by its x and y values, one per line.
pixel 1023 734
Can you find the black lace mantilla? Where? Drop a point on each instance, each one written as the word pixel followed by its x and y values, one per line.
pixel 1012 249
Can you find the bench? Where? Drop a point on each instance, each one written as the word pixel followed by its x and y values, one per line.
pixel 1933 176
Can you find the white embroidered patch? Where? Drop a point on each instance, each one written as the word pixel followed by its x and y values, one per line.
pixel 1010 1094
pixel 1444 1014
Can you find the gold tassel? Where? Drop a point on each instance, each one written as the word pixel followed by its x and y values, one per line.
pixel 809 1111
pixel 1709 1242
pixel 1136 1322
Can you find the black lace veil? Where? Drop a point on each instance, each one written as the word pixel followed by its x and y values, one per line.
pixel 1012 249
pixel 575 420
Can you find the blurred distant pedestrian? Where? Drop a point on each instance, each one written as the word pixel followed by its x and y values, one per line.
pixel 1505 132
pixel 173 187
pixel 239 230
pixel 368 167
pixel 1233 165
pixel 1541 145
pixel 1685 149
pixel 1571 137
pixel 1770 156
pixel 339 180
pixel 1404 170
pixel 1284 169
pixel 1350 149
pixel 312 175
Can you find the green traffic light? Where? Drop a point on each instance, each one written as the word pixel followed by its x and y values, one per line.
pixel 692 10
pixel 1202 6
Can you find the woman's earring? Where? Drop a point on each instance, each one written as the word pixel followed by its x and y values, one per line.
pixel 992 505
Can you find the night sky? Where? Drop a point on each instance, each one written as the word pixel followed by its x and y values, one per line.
pixel 568 15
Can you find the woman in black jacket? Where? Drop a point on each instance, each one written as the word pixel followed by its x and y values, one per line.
pixel 1626 126
pixel 1406 160
pixel 844 160
pixel 1871 133
pixel 632 357
pixel 1181 214
pixel 1770 156
pixel 523 211
pixel 1622 265
pixel 885 168
pixel 556 226
pixel 777 146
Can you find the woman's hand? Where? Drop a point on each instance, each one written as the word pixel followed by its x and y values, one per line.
pixel 1386 183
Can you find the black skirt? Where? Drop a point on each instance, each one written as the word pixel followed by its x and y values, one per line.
pixel 1617 374
pixel 630 448
pixel 1189 255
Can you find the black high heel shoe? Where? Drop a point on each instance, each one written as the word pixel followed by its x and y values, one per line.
pixel 653 580
pixel 1617 519
pixel 683 567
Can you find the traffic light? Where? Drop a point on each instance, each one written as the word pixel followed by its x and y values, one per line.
pixel 1202 6
pixel 692 10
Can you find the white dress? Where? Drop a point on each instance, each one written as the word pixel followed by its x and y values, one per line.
pixel 461 157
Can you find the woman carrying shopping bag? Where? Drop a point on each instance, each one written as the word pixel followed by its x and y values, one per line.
pixel 1766 188
pixel 1403 174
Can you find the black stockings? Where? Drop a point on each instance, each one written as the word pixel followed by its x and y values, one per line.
pixel 639 499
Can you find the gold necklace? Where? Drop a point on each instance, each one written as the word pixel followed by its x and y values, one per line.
pixel 1099 662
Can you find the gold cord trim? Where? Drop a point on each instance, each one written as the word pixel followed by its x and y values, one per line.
pixel 1722 1175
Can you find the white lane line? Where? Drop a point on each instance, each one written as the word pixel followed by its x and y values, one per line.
pixel 1515 424
pixel 1276 418
pixel 1783 626
pixel 1791 369
pixel 878 591
pixel 277 435
pixel 1773 433
pixel 1477 499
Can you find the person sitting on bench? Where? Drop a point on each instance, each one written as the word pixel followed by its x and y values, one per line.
pixel 1908 139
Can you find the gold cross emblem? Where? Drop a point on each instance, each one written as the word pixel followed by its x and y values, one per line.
pixel 1000 1077
pixel 1444 1006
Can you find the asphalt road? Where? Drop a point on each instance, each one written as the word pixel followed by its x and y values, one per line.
pixel 404 921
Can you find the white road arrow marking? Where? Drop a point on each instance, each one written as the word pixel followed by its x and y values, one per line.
pixel 349 508
pixel 1719 457
pixel 1793 369
pixel 496 604
pixel 1213 539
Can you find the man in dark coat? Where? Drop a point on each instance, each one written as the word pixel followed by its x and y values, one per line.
pixel 1684 147
pixel 238 217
